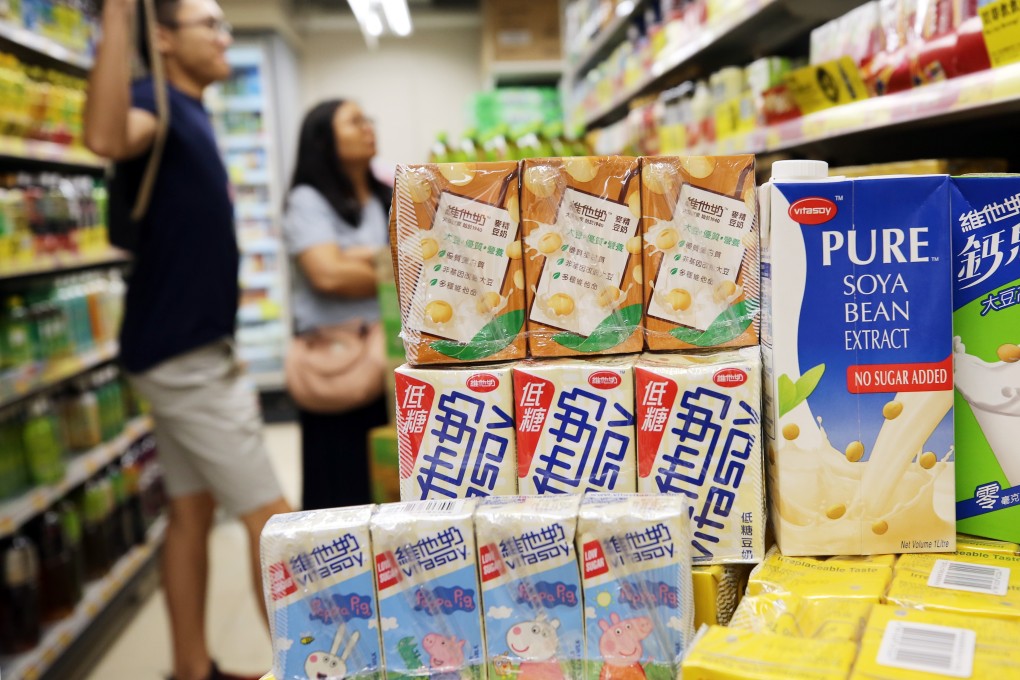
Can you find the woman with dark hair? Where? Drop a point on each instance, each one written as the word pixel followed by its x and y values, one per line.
pixel 335 224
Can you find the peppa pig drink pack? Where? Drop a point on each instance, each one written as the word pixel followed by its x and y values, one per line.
pixel 317 580
pixel 531 587
pixel 635 553
pixel 429 609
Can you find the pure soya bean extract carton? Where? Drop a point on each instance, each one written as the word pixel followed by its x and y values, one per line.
pixel 700 216
pixel 699 435
pixel 582 241
pixel 460 276
pixel 455 432
pixel 531 587
pixel 857 343
pixel 986 323
pixel 575 426
pixel 426 573
pixel 636 568
pixel 317 580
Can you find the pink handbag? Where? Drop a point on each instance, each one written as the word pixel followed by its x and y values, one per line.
pixel 336 368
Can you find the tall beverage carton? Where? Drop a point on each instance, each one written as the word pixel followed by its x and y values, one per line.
pixel 575 426
pixel 699 435
pixel 582 243
pixel 701 269
pixel 455 432
pixel 986 324
pixel 457 257
pixel 857 347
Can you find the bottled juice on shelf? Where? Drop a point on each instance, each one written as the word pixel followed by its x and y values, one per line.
pixel 95 538
pixel 80 410
pixel 70 517
pixel 15 335
pixel 58 588
pixel 20 627
pixel 132 467
pixel 44 445
pixel 120 518
pixel 13 470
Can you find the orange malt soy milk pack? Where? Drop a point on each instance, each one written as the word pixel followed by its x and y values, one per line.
pixel 454 230
pixel 582 246
pixel 701 261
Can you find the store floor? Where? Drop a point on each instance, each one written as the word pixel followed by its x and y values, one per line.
pixel 237 637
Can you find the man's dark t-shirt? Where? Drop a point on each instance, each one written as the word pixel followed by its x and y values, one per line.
pixel 183 290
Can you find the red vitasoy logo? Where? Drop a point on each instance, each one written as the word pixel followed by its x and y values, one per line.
pixel 605 380
pixel 729 377
pixel 482 382
pixel 812 210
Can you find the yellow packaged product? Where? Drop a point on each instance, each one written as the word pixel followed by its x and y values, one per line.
pixel 717 591
pixel 458 262
pixel 795 616
pixel 987 545
pixel 814 578
pixel 908 644
pixel 972 583
pixel 729 654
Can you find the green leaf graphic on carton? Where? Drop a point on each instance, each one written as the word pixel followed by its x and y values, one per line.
pixel 659 671
pixel 729 325
pixel 791 395
pixel 613 330
pixel 492 338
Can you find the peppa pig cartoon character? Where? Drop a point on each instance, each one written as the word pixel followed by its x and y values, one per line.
pixel 327 665
pixel 536 643
pixel 446 656
pixel 620 647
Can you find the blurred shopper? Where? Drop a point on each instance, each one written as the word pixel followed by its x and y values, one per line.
pixel 336 226
pixel 177 335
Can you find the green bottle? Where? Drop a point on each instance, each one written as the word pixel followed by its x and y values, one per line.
pixel 15 335
pixel 71 519
pixel 43 444
pixel 440 151
pixel 468 146
pixel 13 471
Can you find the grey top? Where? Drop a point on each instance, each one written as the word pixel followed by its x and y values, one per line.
pixel 310 221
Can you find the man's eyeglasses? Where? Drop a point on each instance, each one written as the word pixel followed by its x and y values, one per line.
pixel 214 24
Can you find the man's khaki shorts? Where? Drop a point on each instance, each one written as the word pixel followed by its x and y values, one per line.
pixel 209 429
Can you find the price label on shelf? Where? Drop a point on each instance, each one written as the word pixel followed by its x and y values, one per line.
pixel 823 86
pixel 1000 21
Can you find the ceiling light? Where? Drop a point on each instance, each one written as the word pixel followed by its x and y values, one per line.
pixel 370 15
pixel 398 16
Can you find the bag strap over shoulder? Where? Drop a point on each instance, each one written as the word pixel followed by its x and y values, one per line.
pixel 162 116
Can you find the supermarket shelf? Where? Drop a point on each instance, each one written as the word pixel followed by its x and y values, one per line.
pixel 251 178
pixel 604 42
pixel 253 141
pixel 260 280
pixel 759 27
pixel 65 263
pixel 98 595
pixel 247 104
pixel 265 246
pixel 258 313
pixel 529 72
pixel 255 211
pixel 977 95
pixel 16 512
pixel 29 381
pixel 43 46
pixel 48 152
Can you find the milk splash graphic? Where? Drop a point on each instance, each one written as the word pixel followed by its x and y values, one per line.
pixel 993 391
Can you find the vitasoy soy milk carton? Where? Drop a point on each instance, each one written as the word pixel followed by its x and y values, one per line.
pixel 531 586
pixel 638 598
pixel 986 297
pixel 857 343
pixel 582 244
pixel 455 432
pixel 575 426
pixel 317 581
pixel 458 262
pixel 699 435
pixel 701 266
pixel 426 573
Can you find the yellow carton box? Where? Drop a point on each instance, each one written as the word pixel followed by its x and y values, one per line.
pixel 717 591
pixel 812 578
pixel 795 616
pixel 974 583
pixel 731 654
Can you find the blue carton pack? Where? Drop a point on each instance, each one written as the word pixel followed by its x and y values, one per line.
pixel 318 585
pixel 531 586
pixel 638 594
pixel 986 321
pixel 857 348
pixel 429 605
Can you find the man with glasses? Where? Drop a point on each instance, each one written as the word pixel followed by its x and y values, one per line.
pixel 182 300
